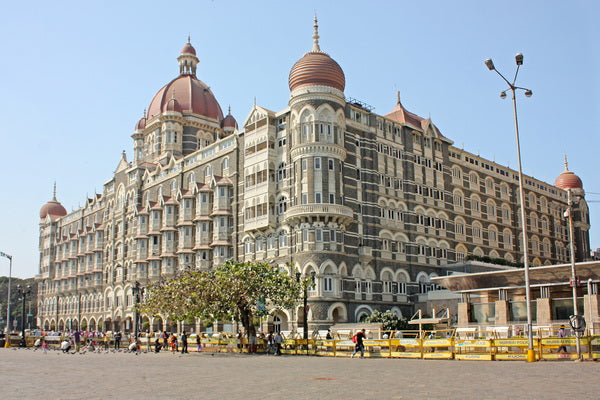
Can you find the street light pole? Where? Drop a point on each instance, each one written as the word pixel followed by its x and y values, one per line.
pixel 305 311
pixel 573 272
pixel 513 88
pixel 8 297
pixel 23 292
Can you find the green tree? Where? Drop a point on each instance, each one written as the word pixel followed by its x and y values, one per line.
pixel 389 320
pixel 237 291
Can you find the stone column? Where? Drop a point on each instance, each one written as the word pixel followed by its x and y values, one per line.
pixel 544 311
pixel 501 312
pixel 591 307
pixel 463 314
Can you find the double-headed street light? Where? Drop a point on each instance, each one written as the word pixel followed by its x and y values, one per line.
pixel 23 292
pixel 305 313
pixel 513 88
pixel 137 292
pixel 7 329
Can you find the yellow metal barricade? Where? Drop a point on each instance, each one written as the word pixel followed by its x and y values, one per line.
pixel 406 348
pixel 512 349
pixel 473 349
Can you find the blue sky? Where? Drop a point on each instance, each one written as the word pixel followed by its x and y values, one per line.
pixel 76 77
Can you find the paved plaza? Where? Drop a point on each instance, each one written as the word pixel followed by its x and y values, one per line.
pixel 28 374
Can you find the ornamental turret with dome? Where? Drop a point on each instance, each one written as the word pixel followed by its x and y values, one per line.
pixel 183 116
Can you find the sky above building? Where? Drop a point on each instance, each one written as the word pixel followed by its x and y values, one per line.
pixel 77 76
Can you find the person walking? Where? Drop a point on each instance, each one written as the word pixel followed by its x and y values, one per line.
pixel 173 343
pixel 562 334
pixel 77 340
pixel 165 337
pixel 199 342
pixel 117 340
pixel 359 346
pixel 184 342
pixel 278 339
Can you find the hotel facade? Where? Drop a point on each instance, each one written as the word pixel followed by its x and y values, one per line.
pixel 372 205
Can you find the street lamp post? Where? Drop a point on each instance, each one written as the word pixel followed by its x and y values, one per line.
pixel 305 311
pixel 528 93
pixel 137 291
pixel 6 330
pixel 23 292
pixel 574 282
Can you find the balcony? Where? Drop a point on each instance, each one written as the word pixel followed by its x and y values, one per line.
pixel 262 222
pixel 319 212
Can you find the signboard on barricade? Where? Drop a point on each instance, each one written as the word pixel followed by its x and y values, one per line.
pixel 439 354
pixel 473 343
pixel 511 356
pixel 406 342
pixel 406 354
pixel 563 341
pixel 478 357
pixel 513 342
pixel 437 343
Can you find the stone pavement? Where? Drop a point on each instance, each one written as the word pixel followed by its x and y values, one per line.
pixel 28 374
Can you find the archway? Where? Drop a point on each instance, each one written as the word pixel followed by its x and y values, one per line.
pixel 157 324
pixel 46 325
pixel 61 325
pixel 92 325
pixel 84 325
pixel 108 325
pixel 145 324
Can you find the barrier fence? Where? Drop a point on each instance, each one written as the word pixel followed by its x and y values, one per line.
pixel 407 344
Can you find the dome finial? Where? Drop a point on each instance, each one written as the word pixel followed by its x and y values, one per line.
pixel 189 39
pixel 316 47
pixel 398 96
pixel 566 163
pixel 54 192
pixel 145 113
pixel 229 110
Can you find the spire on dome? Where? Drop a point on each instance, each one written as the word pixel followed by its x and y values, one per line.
pixel 566 163
pixel 316 48
pixel 54 192
pixel 398 96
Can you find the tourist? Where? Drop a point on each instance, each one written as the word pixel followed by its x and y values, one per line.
pixel 359 346
pixel 278 340
pixel 65 346
pixel 270 343
pixel 328 336
pixel 165 337
pixel 44 345
pixel 173 343
pixel 184 343
pixel 562 334
pixel 77 340
pixel 157 344
pixel 117 340
pixel 199 343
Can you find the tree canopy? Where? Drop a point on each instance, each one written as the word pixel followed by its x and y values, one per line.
pixel 390 321
pixel 236 291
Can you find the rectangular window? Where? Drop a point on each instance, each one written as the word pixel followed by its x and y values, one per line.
pixel 330 162
pixel 328 284
pixel 318 235
pixel 304 198
pixel 304 164
pixel 317 163
pixel 318 198
pixel 331 198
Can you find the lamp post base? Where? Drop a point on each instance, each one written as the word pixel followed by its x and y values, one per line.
pixel 531 355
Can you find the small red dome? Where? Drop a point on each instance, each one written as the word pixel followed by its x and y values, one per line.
pixel 229 122
pixel 141 125
pixel 188 49
pixel 568 180
pixel 191 94
pixel 52 208
pixel 317 68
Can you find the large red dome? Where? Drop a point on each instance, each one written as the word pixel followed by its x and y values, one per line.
pixel 191 95
pixel 317 68
pixel 568 180
pixel 52 208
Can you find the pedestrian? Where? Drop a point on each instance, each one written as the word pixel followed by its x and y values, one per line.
pixel 157 344
pixel 359 346
pixel 184 343
pixel 117 340
pixel 270 343
pixel 77 340
pixel 165 337
pixel 278 339
pixel 328 336
pixel 198 342
pixel 44 344
pixel 173 342
pixel 562 334
pixel 65 346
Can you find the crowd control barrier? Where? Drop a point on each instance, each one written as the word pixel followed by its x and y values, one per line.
pixel 440 344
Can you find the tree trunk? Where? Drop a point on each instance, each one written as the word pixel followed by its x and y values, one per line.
pixel 246 317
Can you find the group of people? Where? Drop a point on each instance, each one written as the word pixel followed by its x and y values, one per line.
pixel 174 343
